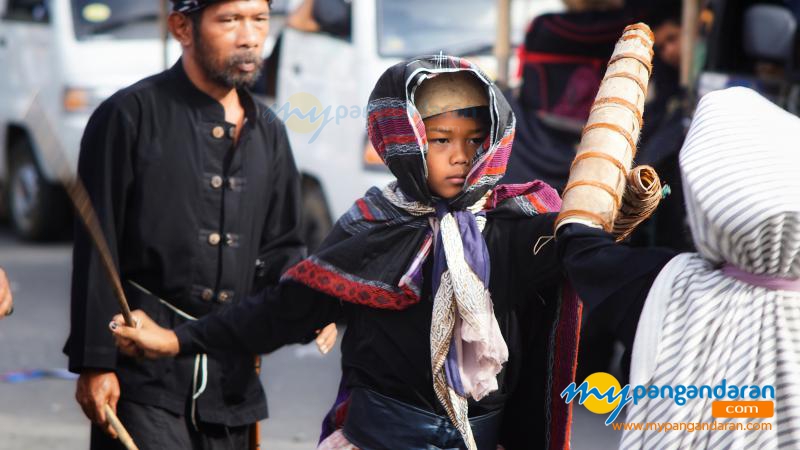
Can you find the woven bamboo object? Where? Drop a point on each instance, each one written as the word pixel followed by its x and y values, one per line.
pixel 600 171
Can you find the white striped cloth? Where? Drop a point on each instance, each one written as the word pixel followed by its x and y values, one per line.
pixel 741 171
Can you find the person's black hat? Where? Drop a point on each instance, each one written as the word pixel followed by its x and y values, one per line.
pixel 190 6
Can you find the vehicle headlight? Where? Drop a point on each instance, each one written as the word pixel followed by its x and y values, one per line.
pixel 371 159
pixel 81 100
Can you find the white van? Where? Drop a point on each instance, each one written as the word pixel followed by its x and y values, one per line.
pixel 67 56
pixel 324 82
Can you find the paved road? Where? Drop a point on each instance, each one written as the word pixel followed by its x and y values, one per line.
pixel 37 414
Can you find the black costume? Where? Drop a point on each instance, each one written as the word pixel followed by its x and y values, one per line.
pixel 195 223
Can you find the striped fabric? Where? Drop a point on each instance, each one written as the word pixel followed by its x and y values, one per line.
pixel 741 169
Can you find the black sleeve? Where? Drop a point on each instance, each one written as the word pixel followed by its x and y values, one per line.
pixel 540 252
pixel 106 169
pixel 611 279
pixel 281 245
pixel 279 315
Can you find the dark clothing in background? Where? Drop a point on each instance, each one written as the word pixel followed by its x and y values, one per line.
pixel 661 141
pixel 333 16
pixel 562 61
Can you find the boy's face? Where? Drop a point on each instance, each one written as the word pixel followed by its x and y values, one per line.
pixel 668 43
pixel 453 142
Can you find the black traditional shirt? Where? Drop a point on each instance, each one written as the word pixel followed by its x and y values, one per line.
pixel 195 222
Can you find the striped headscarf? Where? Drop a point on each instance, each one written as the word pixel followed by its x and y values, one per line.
pixel 732 310
pixel 375 253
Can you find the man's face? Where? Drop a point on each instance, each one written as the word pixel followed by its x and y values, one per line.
pixel 668 43
pixel 228 41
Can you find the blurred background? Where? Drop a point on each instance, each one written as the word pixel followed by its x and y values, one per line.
pixel 60 58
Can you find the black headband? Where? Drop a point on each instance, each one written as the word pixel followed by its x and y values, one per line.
pixel 190 6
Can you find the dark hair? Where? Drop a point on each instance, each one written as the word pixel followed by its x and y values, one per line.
pixel 479 113
pixel 665 13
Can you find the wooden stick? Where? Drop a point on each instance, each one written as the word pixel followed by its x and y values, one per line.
pixel 83 205
pixel 122 434
pixel 55 156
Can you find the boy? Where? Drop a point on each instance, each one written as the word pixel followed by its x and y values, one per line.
pixel 439 350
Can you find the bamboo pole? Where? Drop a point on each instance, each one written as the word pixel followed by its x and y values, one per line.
pixel 691 11
pixel 502 47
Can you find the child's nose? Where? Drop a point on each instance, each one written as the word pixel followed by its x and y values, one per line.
pixel 460 154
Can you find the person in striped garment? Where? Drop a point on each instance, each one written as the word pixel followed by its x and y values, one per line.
pixel 731 310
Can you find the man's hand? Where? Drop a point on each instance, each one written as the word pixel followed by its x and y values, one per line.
pixel 326 338
pixel 96 389
pixel 148 339
pixel 6 302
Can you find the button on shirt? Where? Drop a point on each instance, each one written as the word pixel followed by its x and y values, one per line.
pixel 159 162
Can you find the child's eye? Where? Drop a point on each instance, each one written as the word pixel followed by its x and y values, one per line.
pixel 477 141
pixel 441 141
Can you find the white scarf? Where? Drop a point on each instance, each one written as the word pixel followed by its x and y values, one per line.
pixel 461 306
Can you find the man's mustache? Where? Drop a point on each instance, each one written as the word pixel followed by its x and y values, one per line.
pixel 244 58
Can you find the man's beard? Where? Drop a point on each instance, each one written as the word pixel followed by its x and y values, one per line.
pixel 225 72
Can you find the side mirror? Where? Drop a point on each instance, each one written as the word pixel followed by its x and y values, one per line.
pixel 769 33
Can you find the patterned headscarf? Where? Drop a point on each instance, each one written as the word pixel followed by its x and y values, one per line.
pixel 375 253
pixel 732 310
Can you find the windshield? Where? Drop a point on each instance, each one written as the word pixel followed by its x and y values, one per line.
pixel 457 27
pixel 119 19
pixel 417 27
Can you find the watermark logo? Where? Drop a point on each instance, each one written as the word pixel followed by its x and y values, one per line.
pixel 304 113
pixel 601 393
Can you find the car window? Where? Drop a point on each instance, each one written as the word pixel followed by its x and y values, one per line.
pixel 27 11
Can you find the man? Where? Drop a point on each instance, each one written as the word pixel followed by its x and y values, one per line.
pixel 6 302
pixel 198 195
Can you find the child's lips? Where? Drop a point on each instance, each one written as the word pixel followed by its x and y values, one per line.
pixel 458 179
